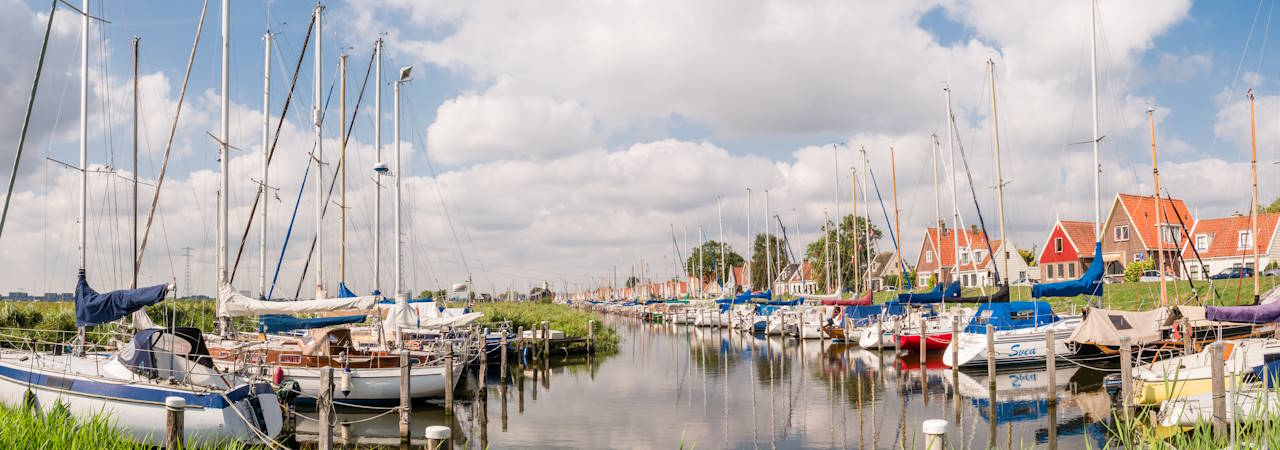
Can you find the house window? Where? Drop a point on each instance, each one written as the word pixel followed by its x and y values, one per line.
pixel 1057 245
pixel 1137 257
pixel 1244 239
pixel 1050 274
pixel 1171 234
pixel 964 255
pixel 1202 242
pixel 979 255
pixel 1071 268
pixel 1122 233
pixel 928 256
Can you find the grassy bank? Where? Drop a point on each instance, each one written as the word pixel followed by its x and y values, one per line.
pixel 571 321
pixel 1142 296
pixel 52 322
pixel 23 428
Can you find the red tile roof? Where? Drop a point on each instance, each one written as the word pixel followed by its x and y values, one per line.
pixel 1081 234
pixel 1223 234
pixel 973 240
pixel 1142 213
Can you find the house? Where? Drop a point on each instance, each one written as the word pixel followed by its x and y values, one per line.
pixel 1068 250
pixel 1129 233
pixel 1226 242
pixel 937 258
pixel 796 279
pixel 883 265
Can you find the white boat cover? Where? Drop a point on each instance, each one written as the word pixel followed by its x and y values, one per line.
pixel 232 304
pixel 404 316
pixel 1105 326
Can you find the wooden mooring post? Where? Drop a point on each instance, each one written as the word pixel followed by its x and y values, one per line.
pixel 1051 365
pixel 591 336
pixel 991 356
pixel 520 343
pixel 1126 376
pixel 502 360
pixel 404 395
pixel 484 361
pixel 1188 338
pixel 175 410
pixel 955 346
pixel 448 383
pixel 1219 389
pixel 546 339
pixel 897 335
pixel 325 405
pixel 924 338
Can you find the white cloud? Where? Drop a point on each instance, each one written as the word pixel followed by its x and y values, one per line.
pixel 499 125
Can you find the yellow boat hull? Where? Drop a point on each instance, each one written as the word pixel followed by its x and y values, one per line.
pixel 1155 393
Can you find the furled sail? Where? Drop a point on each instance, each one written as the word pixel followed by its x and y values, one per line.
pixel 938 294
pixel 863 301
pixel 1090 283
pixel 94 308
pixel 233 304
pixel 279 323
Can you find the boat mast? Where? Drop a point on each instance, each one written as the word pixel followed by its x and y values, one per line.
pixel 768 251
pixel 224 159
pixel 893 167
pixel 84 149
pixel 133 220
pixel 266 136
pixel 702 267
pixel 826 244
pixel 751 248
pixel 995 134
pixel 1097 167
pixel 937 206
pixel 318 157
pixel 723 264
pixel 853 198
pixel 835 193
pixel 377 156
pixel 866 167
pixel 1160 225
pixel 955 211
pixel 406 74
pixel 1253 213
pixel 342 165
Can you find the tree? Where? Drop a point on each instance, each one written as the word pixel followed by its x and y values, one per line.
pixel 759 264
pixel 632 281
pixel 711 265
pixel 1028 256
pixel 816 252
pixel 1274 207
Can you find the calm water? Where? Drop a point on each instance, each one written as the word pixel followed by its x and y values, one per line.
pixel 672 386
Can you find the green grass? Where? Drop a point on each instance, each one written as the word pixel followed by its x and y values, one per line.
pixel 54 322
pixel 1138 296
pixel 23 428
pixel 571 321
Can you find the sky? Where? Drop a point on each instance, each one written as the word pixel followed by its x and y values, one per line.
pixel 560 143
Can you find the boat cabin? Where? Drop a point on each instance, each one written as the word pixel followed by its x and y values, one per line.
pixel 1011 316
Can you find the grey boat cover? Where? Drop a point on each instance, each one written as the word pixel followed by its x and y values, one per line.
pixel 1105 326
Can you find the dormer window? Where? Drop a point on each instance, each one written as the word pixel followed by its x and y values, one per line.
pixel 1202 242
pixel 1244 239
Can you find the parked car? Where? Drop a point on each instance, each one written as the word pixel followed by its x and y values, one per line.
pixel 1154 275
pixel 1274 271
pixel 1232 272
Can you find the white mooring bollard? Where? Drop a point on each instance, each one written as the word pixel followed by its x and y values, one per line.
pixel 935 434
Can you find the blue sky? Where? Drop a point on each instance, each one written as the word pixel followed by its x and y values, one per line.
pixel 566 141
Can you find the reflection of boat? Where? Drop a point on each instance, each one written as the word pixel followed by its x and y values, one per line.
pixel 1018 338
pixel 1021 395
pixel 373 428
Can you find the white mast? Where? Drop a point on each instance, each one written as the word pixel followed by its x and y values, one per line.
pixel 937 206
pixel 342 165
pixel 377 156
pixel 317 112
pixel 995 134
pixel 751 248
pixel 835 192
pixel 724 264
pixel 84 149
pixel 406 74
pixel 768 252
pixel 955 211
pixel 224 157
pixel 1097 167
pixel 866 167
pixel 266 141
pixel 702 284
pixel 826 246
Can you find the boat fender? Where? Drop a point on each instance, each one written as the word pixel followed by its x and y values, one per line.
pixel 344 382
pixel 278 377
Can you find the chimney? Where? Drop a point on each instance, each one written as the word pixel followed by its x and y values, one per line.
pixel 973 228
pixel 942 227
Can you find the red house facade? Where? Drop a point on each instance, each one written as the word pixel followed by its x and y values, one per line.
pixel 1068 251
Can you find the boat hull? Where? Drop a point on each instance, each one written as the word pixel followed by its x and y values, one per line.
pixel 938 341
pixel 371 386
pixel 1012 348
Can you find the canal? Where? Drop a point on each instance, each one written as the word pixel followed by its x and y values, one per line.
pixel 677 386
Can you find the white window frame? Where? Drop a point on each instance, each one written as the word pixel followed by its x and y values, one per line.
pixel 1137 257
pixel 928 256
pixel 1244 239
pixel 1202 242
pixel 1057 245
pixel 1122 233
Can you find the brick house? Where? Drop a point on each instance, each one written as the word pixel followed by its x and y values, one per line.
pixel 1067 252
pixel 937 258
pixel 796 279
pixel 884 264
pixel 1226 242
pixel 1129 233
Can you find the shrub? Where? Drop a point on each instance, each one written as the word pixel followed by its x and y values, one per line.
pixel 1135 269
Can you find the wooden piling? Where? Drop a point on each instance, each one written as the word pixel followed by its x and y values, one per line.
pixel 448 382
pixel 1126 375
pixel 404 395
pixel 1219 389
pixel 1188 338
pixel 924 336
pixel 897 334
pixel 484 359
pixel 546 339
pixel 955 344
pixel 520 342
pixel 502 364
pixel 991 356
pixel 325 405
pixel 1051 365
pixel 591 336
pixel 175 410
pixel 437 437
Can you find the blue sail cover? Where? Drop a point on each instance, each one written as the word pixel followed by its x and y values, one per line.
pixel 1011 316
pixel 937 295
pixel 744 297
pixel 863 315
pixel 279 323
pixel 343 292
pixel 1090 283
pixel 93 308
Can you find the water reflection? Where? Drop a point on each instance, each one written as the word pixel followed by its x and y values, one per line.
pixel 680 386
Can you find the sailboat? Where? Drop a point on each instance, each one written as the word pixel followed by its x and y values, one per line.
pixel 157 367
